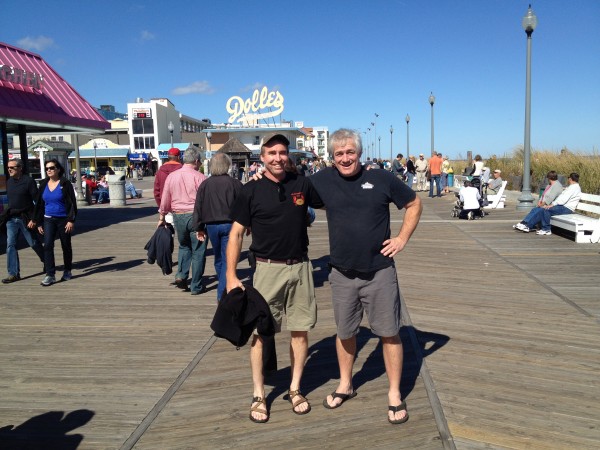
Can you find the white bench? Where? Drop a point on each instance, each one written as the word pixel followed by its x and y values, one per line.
pixel 497 200
pixel 586 228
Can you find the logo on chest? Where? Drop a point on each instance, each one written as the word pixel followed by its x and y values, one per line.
pixel 298 198
pixel 367 185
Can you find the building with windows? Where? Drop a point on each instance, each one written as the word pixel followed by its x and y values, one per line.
pixel 158 122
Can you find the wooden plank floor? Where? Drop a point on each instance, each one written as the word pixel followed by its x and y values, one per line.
pixel 501 327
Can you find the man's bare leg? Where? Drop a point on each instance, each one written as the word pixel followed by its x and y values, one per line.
pixel 346 349
pixel 258 379
pixel 392 356
pixel 298 354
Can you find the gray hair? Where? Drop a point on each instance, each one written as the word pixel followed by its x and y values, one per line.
pixel 191 155
pixel 18 161
pixel 342 135
pixel 220 164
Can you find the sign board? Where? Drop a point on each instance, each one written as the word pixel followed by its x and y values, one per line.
pixel 142 113
pixel 261 105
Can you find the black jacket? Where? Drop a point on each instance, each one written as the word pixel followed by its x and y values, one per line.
pixel 68 193
pixel 160 248
pixel 239 312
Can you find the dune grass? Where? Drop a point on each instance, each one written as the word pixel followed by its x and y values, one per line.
pixel 542 161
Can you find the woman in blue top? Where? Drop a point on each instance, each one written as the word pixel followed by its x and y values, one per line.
pixel 55 209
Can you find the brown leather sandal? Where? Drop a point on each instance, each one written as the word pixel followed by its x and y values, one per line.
pixel 301 399
pixel 259 410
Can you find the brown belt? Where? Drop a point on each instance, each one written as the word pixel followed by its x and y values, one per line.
pixel 182 212
pixel 287 262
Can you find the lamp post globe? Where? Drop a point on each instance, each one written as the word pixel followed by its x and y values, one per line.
pixel 171 128
pixel 209 137
pixel 407 118
pixel 526 200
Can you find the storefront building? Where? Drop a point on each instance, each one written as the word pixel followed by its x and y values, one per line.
pixel 34 98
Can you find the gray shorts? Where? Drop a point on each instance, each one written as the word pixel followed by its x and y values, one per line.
pixel 377 293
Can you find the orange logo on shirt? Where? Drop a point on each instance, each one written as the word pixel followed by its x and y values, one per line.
pixel 298 198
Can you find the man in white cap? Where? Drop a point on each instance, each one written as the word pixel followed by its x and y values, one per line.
pixel 421 169
pixel 495 183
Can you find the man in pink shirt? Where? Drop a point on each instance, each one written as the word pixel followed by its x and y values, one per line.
pixel 179 198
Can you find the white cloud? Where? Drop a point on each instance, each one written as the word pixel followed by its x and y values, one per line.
pixel 252 87
pixel 38 44
pixel 197 87
pixel 146 36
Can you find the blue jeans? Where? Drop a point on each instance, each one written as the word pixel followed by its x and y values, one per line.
pixel 130 190
pixel 409 179
pixel 444 182
pixel 218 233
pixel 56 226
pixel 557 210
pixel 435 179
pixel 191 251
pixel 14 226
pixel 534 217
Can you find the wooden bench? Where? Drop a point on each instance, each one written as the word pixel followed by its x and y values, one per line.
pixel 497 200
pixel 586 228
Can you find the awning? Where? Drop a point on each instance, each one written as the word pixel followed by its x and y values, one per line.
pixel 33 94
pixel 102 153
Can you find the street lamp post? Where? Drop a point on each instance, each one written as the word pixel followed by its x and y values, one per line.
pixel 391 143
pixel 379 158
pixel 95 160
pixel 529 23
pixel 171 128
pixel 209 137
pixel 407 118
pixel 431 102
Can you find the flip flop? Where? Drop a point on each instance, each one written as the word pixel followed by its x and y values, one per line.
pixel 258 409
pixel 343 397
pixel 395 409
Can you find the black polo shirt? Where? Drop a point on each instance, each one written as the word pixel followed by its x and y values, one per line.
pixel 358 215
pixel 276 213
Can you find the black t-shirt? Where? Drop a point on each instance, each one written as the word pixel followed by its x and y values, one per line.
pixel 276 213
pixel 358 214
pixel 21 193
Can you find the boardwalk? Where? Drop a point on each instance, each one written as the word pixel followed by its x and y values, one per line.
pixel 502 348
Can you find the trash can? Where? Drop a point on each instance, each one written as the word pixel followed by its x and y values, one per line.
pixel 450 180
pixel 116 189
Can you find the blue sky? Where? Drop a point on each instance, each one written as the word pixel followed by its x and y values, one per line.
pixel 337 63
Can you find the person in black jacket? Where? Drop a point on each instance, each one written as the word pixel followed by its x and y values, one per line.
pixel 55 211
pixel 21 191
pixel 212 212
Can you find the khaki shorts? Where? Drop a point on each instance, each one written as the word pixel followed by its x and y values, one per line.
pixel 289 290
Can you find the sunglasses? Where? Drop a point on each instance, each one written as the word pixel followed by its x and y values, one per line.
pixel 50 168
pixel 13 167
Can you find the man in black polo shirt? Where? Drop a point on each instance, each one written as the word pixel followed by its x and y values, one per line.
pixel 363 276
pixel 275 208
pixel 21 190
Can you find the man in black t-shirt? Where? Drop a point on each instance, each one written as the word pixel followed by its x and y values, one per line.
pixel 275 208
pixel 21 191
pixel 363 275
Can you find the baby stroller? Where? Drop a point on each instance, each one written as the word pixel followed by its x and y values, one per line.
pixel 458 208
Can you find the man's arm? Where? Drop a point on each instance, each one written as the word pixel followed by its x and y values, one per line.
pixel 234 248
pixel 411 220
